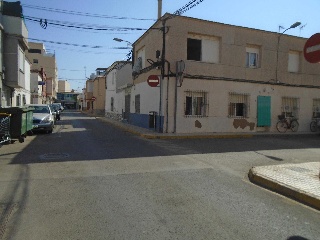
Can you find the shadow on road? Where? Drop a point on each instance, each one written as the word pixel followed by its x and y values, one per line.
pixel 78 137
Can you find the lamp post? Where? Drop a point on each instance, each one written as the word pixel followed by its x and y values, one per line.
pixel 121 40
pixel 296 24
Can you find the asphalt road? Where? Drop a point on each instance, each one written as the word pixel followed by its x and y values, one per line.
pixel 89 180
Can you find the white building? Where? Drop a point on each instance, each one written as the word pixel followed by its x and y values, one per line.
pixel 118 86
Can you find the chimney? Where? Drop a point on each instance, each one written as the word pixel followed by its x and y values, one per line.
pixel 159 8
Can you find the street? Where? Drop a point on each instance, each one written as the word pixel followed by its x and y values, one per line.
pixel 90 180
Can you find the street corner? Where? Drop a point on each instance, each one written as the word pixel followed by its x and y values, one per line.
pixel 299 182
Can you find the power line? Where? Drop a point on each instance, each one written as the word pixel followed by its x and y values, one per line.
pixel 84 14
pixel 76 45
pixel 191 4
pixel 82 26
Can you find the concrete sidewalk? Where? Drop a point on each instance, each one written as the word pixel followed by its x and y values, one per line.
pixel 300 182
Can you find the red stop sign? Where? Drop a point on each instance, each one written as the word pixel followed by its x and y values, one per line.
pixel 153 80
pixel 312 49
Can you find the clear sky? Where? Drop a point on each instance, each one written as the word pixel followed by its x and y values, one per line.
pixel 79 51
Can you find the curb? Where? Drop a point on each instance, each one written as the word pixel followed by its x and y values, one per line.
pixel 292 193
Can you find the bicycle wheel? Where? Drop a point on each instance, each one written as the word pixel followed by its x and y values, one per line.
pixel 294 125
pixel 281 126
pixel 313 126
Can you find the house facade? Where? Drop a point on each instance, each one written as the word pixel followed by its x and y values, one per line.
pixel 40 59
pixel 118 87
pixel 221 78
pixel 15 69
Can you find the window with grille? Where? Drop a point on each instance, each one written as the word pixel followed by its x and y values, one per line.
pixel 252 57
pixel 316 108
pixel 112 104
pixel 290 107
pixel 238 105
pixel 196 104
pixel 18 100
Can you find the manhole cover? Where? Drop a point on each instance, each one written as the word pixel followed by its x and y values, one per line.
pixel 52 156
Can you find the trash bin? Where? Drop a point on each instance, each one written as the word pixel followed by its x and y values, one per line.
pixel 20 121
pixel 152 119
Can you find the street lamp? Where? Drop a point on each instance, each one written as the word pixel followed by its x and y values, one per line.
pixel 121 40
pixel 296 24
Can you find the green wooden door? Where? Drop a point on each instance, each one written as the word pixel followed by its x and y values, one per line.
pixel 264 111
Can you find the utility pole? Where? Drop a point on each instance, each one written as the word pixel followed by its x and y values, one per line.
pixel 159 9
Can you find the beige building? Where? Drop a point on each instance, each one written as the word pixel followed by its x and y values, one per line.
pixel 221 78
pixel 96 92
pixel 64 86
pixel 41 59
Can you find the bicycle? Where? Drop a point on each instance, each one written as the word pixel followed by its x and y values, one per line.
pixel 287 122
pixel 315 124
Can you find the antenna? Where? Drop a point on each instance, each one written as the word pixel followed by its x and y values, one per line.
pixel 301 28
pixel 281 27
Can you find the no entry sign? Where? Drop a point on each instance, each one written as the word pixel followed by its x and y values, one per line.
pixel 312 49
pixel 153 80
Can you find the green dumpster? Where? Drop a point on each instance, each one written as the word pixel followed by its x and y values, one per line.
pixel 20 121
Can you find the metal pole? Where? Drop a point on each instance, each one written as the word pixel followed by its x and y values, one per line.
pixel 162 70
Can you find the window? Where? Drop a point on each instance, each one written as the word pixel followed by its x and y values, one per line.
pixel 18 100
pixel 112 104
pixel 196 103
pixel 141 54
pixel 252 57
pixel 21 59
pixel 194 49
pixel 290 107
pixel 293 62
pixel 24 100
pixel 35 61
pixel 316 108
pixel 137 103
pixel 205 49
pixel 34 51
pixel 238 105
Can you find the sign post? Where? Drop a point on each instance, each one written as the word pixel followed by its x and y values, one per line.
pixel 312 49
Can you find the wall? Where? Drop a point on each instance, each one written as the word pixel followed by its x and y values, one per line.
pixel 99 87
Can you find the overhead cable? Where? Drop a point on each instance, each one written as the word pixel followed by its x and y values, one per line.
pixel 84 14
pixel 83 26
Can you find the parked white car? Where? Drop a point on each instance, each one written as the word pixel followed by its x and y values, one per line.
pixel 43 117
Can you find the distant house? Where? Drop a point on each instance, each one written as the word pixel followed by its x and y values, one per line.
pixel 41 59
pixel 96 92
pixel 118 87
pixel 221 78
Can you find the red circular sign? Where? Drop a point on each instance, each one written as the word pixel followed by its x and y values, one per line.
pixel 312 49
pixel 153 80
pixel 93 98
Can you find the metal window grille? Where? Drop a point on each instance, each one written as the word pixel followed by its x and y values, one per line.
pixel 316 108
pixel 238 105
pixel 196 104
pixel 112 104
pixel 290 107
pixel 137 103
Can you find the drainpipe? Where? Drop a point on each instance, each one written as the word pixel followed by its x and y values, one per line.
pixel 167 103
